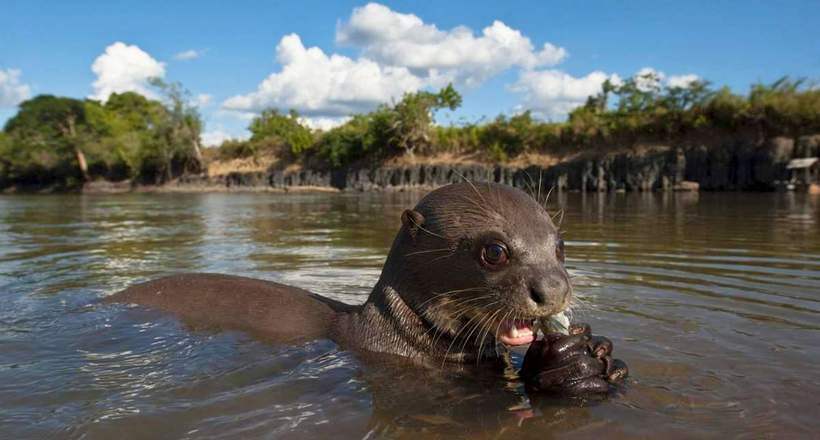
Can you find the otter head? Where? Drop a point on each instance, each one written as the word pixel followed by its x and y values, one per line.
pixel 479 263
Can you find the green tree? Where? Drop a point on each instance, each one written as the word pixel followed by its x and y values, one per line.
pixel 54 125
pixel 508 137
pixel 284 129
pixel 129 138
pixel 639 93
pixel 678 98
pixel 413 116
pixel 181 128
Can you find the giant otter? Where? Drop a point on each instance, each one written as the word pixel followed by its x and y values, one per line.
pixel 469 272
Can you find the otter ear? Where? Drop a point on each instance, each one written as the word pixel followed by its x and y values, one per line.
pixel 412 220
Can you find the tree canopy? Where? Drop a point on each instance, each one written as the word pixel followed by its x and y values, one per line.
pixel 65 141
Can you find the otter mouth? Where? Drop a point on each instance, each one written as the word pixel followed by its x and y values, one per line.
pixel 517 331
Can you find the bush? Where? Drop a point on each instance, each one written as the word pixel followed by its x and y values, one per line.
pixel 281 130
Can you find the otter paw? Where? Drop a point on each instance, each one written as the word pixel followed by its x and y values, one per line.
pixel 573 365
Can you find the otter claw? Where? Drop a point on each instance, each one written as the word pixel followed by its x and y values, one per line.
pixel 580 329
pixel 618 372
pixel 600 346
pixel 572 365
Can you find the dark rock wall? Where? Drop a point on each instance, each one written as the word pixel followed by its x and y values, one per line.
pixel 732 167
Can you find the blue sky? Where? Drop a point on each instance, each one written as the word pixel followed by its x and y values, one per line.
pixel 383 50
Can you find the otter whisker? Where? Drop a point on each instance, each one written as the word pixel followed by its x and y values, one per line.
pixel 498 327
pixel 427 230
pixel 481 209
pixel 449 292
pixel 457 302
pixel 461 302
pixel 529 184
pixel 471 185
pixel 455 315
pixel 547 198
pixel 439 258
pixel 476 327
pixel 561 220
pixel 497 196
pixel 480 349
pixel 465 306
pixel 472 328
pixel 455 338
pixel 428 251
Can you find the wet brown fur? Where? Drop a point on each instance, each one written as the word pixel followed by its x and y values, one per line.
pixel 434 301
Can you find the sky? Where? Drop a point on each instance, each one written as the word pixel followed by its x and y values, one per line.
pixel 330 59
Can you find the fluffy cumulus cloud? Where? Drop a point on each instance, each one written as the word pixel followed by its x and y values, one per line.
pixel 202 100
pixel 552 94
pixel 651 79
pixel 458 54
pixel 682 80
pixel 190 54
pixel 321 85
pixel 12 91
pixel 124 68
pixel 214 138
pixel 398 53
pixel 648 79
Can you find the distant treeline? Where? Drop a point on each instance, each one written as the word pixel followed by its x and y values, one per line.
pixel 639 109
pixel 65 141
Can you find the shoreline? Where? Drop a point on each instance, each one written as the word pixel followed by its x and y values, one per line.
pixel 694 167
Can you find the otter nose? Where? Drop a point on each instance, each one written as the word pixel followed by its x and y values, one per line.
pixel 547 290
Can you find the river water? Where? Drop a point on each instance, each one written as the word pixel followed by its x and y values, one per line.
pixel 712 299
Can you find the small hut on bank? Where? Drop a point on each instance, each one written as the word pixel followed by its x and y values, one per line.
pixel 804 174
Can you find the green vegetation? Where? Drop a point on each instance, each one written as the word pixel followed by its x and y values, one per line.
pixel 65 141
pixel 636 110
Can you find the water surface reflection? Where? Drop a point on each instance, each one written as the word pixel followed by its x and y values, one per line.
pixel 713 299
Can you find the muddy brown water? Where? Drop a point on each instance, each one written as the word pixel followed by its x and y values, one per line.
pixel 712 299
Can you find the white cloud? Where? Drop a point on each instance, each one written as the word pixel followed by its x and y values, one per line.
pixel 324 123
pixel 552 93
pixel 202 100
pixel 457 54
pixel 682 80
pixel 190 54
pixel 216 137
pixel 648 79
pixel 12 91
pixel 399 53
pixel 124 68
pixel 321 85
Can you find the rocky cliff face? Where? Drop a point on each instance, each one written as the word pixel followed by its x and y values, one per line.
pixel 733 167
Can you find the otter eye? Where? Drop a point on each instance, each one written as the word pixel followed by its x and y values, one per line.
pixel 559 250
pixel 494 254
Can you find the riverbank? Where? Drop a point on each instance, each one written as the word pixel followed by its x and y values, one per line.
pixel 726 165
pixel 738 166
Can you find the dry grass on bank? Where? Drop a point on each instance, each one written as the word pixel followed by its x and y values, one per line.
pixel 218 167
